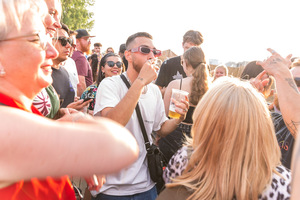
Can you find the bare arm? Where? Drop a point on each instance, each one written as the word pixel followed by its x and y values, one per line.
pixel 81 86
pixel 39 147
pixel 168 94
pixel 287 91
pixel 171 124
pixel 296 171
pixel 123 110
pixel 162 90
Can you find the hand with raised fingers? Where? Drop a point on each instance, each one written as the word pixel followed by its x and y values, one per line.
pixel 276 64
pixel 259 82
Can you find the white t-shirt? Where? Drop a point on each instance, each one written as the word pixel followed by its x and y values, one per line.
pixel 70 66
pixel 136 178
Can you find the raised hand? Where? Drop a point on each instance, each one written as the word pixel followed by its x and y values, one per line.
pixel 148 72
pixel 276 64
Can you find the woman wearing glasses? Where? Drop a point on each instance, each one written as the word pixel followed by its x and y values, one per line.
pixel 37 153
pixel 110 65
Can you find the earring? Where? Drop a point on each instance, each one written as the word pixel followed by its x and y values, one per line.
pixel 2 72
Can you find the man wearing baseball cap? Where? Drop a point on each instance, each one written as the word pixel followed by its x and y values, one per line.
pixel 83 43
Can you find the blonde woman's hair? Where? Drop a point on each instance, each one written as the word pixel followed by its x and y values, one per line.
pixel 235 148
pixel 195 57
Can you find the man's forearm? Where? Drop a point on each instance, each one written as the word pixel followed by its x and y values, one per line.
pixel 80 88
pixel 289 99
pixel 122 112
pixel 168 127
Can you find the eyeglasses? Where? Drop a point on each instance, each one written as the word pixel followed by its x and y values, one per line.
pixel 63 40
pixel 112 64
pixel 43 39
pixel 297 81
pixel 146 50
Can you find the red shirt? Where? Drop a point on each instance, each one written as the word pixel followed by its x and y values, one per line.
pixel 36 189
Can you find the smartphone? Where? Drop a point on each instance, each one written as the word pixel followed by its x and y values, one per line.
pixel 86 99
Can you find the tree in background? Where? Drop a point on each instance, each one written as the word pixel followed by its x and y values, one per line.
pixel 75 14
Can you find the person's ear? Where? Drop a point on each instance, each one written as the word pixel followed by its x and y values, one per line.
pixel 128 56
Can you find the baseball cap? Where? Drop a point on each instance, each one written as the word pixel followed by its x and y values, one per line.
pixel 82 33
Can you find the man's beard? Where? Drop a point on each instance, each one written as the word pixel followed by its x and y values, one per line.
pixel 136 66
pixel 59 60
pixel 86 49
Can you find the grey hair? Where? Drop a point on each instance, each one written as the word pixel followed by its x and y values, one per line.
pixel 14 12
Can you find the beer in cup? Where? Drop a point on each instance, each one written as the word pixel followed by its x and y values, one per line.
pixel 177 95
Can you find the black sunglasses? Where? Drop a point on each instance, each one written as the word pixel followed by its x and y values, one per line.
pixel 112 64
pixel 297 81
pixel 63 40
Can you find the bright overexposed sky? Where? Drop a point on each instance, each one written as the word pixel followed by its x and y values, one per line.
pixel 233 30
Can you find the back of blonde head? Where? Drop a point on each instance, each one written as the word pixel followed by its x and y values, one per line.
pixel 235 148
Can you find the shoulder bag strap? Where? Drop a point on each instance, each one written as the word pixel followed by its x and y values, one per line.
pixel 138 113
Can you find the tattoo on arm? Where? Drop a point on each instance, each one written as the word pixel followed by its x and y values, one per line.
pixel 140 78
pixel 292 126
pixel 292 84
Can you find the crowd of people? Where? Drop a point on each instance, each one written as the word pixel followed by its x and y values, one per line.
pixel 66 112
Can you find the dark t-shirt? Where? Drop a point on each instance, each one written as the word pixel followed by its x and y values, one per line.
pixel 284 138
pixel 170 70
pixel 63 86
pixel 83 67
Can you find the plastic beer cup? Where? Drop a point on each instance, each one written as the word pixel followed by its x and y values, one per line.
pixel 177 95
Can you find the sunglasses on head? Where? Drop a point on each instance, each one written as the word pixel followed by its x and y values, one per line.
pixel 297 81
pixel 146 50
pixel 63 40
pixel 112 64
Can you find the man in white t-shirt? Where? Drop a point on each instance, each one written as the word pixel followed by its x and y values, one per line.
pixel 115 101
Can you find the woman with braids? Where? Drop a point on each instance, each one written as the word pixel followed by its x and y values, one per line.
pixel 196 84
pixel 233 153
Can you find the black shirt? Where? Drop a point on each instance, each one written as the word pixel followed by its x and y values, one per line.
pixel 63 86
pixel 284 138
pixel 170 70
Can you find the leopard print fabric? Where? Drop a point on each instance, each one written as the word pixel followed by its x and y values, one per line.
pixel 278 189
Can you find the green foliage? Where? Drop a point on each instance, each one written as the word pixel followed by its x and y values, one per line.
pixel 76 14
